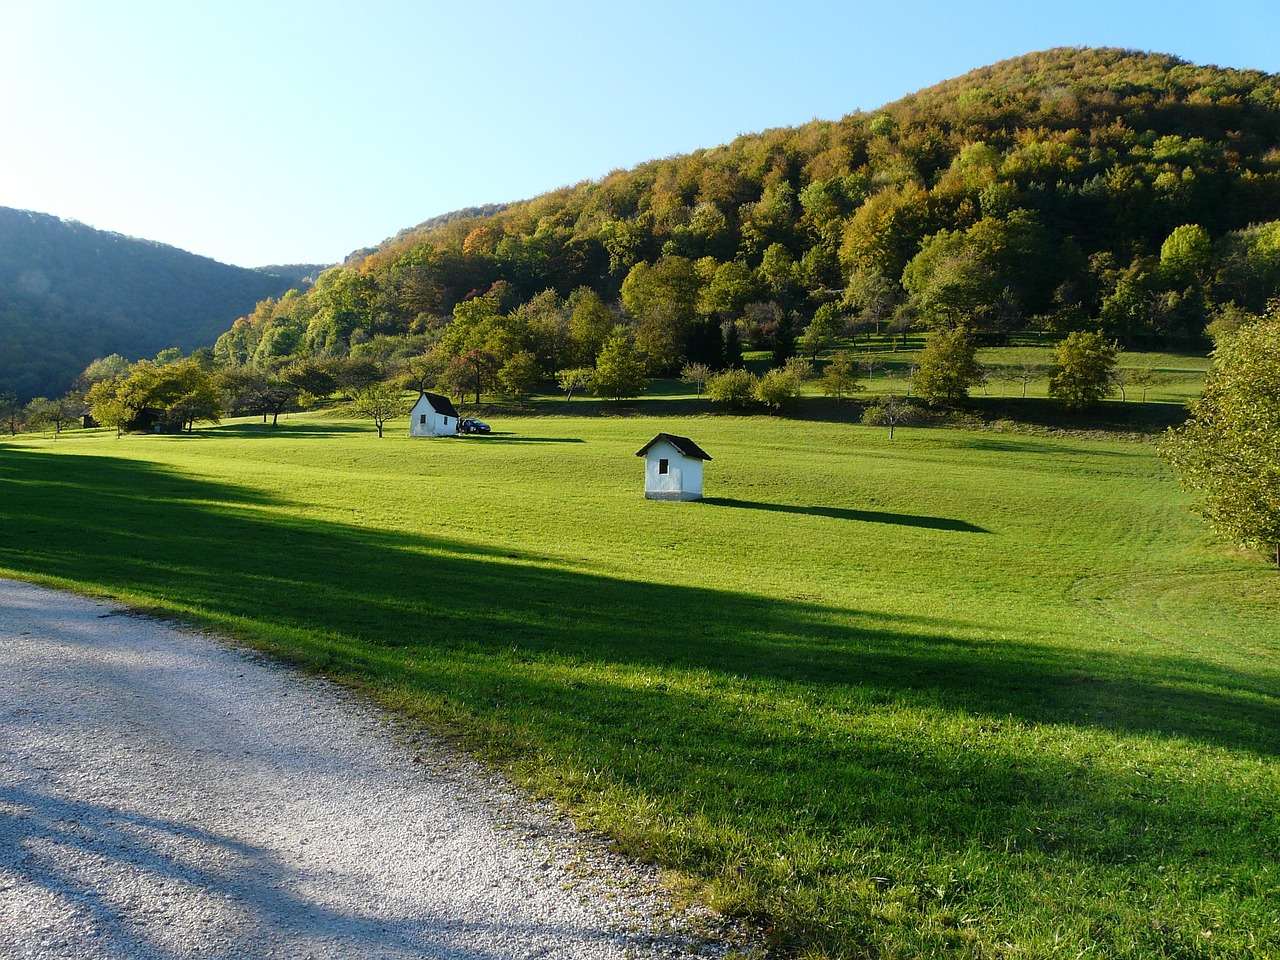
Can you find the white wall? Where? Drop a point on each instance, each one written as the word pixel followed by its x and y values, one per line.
pixel 683 480
pixel 436 425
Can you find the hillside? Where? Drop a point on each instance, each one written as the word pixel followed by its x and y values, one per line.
pixel 70 293
pixel 1073 188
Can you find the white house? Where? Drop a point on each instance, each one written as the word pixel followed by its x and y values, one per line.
pixel 433 416
pixel 672 468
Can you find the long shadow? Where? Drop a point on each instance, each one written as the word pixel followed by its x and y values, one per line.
pixel 843 513
pixel 47 837
pixel 715 706
pixel 509 437
pixel 307 428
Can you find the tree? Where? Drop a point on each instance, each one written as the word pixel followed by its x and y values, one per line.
pixel 107 405
pixel 733 388
pixel 1083 369
pixel 519 376
pixel 822 330
pixel 619 371
pixel 1228 452
pixel 575 378
pixel 378 402
pixel 890 412
pixel 55 413
pixel 840 378
pixel 948 367
pixel 10 412
pixel 696 375
pixel 777 388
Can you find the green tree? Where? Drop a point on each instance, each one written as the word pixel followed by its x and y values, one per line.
pixel 948 367
pixel 1083 370
pixel 619 370
pixel 379 402
pixel 891 412
pixel 518 378
pixel 696 375
pixel 840 377
pixel 574 379
pixel 10 412
pixel 777 388
pixel 733 388
pixel 822 331
pixel 1228 452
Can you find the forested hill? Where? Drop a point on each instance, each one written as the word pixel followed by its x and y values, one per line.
pixel 70 293
pixel 1074 188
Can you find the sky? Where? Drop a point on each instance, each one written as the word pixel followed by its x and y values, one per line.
pixel 273 131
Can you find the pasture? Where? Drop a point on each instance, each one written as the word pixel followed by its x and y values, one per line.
pixel 960 694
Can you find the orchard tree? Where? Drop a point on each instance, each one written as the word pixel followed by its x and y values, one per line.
pixel 378 402
pixel 840 378
pixel 948 367
pixel 696 375
pixel 10 412
pixel 891 412
pixel 575 378
pixel 1083 372
pixel 1228 452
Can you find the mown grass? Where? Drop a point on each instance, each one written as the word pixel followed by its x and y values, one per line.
pixel 960 694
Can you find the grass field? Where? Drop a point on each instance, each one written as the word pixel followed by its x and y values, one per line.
pixel 961 694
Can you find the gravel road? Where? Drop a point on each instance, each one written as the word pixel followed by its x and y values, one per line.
pixel 165 795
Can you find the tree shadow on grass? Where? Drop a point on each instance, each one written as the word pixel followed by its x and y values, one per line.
pixel 714 706
pixel 505 436
pixel 844 513
pixel 285 428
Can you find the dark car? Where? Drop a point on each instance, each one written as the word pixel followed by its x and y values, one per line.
pixel 472 425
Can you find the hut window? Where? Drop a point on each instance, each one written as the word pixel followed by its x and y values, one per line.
pixel 422 419
pixel 664 466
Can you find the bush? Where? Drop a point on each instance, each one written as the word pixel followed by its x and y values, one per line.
pixel 777 388
pixel 734 388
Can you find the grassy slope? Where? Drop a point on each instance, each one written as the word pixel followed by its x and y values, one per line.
pixel 960 694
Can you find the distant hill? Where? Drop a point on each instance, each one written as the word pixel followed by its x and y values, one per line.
pixel 1067 189
pixel 70 293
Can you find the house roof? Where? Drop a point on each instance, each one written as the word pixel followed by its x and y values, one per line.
pixel 683 444
pixel 441 405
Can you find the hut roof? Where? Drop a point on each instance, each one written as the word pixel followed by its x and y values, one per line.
pixel 441 405
pixel 683 444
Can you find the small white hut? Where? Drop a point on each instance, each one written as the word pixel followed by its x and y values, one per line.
pixel 672 468
pixel 433 416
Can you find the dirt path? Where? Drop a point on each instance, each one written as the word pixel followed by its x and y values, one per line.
pixel 165 796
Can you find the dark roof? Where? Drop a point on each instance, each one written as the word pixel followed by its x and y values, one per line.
pixel 441 405
pixel 683 444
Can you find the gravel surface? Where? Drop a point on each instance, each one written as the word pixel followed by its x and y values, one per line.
pixel 165 795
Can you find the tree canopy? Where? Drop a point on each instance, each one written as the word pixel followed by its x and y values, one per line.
pixel 1229 451
pixel 1074 189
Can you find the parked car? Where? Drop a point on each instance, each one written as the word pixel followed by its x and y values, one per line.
pixel 472 425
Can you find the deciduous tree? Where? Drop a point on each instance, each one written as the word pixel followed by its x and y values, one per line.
pixel 619 370
pixel 378 402
pixel 1229 450
pixel 948 367
pixel 1082 373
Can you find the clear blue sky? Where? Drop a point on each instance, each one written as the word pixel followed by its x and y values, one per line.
pixel 283 132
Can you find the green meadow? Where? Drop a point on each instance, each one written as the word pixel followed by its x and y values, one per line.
pixel 962 694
